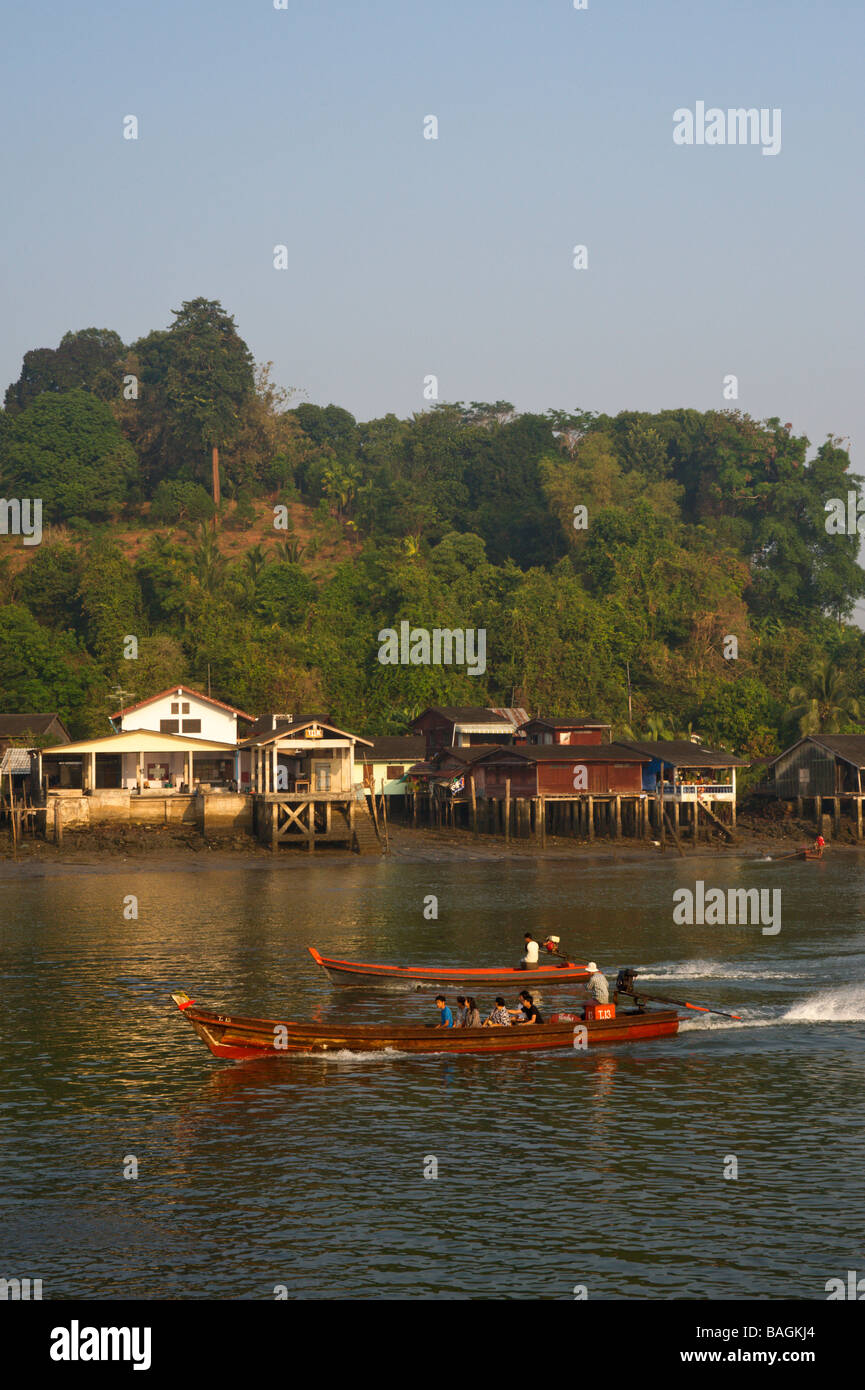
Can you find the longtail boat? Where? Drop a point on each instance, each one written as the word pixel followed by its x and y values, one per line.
pixel 231 1036
pixel 804 853
pixel 352 972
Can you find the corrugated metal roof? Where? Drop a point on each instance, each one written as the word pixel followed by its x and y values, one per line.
pixel 572 721
pixel 514 716
pixel 849 747
pixel 15 724
pixel 16 761
pixel 680 752
pixel 569 752
pixel 460 714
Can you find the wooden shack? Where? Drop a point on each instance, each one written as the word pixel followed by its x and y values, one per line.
pixel 820 769
pixel 461 726
pixel 560 770
pixel 566 729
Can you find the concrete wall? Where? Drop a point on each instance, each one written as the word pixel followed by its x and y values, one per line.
pixel 225 813
pixel 110 805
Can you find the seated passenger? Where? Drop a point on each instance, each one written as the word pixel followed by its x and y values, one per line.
pixel 446 1018
pixel 527 1012
pixel 500 1016
pixel 473 1018
pixel 460 1020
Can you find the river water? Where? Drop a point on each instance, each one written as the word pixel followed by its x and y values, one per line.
pixel 602 1169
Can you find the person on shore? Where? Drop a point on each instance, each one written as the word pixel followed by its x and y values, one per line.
pixel 500 1016
pixel 473 1018
pixel 527 1013
pixel 530 959
pixel 446 1018
pixel 460 1020
pixel 597 985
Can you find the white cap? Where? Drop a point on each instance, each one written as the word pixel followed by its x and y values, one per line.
pixel 591 966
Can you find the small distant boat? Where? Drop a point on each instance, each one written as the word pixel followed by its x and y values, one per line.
pixel 241 1039
pixel 804 853
pixel 351 972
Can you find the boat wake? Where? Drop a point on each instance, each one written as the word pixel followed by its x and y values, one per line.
pixel 845 1004
pixel 346 1055
pixel 718 970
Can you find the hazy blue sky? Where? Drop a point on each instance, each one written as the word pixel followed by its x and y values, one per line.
pixel 409 256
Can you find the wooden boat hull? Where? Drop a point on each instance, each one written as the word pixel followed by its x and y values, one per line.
pixel 347 972
pixel 241 1039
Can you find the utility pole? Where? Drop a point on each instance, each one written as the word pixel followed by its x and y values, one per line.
pixel 630 715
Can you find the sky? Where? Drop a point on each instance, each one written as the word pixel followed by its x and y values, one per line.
pixel 410 257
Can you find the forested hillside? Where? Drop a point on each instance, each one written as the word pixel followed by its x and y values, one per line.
pixel 698 527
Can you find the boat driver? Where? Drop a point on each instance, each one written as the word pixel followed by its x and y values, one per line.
pixel 530 959
pixel 597 985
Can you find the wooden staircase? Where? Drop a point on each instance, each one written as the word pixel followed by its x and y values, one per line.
pixel 366 837
pixel 716 820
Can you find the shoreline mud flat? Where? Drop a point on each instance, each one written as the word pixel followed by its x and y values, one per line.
pixel 116 850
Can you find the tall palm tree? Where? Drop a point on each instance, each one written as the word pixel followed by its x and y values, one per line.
pixel 825 704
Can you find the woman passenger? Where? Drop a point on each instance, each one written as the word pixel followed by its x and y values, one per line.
pixel 473 1018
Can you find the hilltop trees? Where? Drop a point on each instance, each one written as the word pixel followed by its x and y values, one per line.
pixel 89 359
pixel 196 379
pixel 700 527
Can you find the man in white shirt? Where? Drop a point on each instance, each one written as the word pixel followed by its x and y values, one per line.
pixel 530 959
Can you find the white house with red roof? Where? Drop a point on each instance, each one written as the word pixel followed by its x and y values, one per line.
pixel 182 710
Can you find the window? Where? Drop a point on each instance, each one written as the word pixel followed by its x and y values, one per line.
pixel 191 726
pixel 175 709
pixel 169 726
pixel 185 707
pixel 396 771
pixel 322 777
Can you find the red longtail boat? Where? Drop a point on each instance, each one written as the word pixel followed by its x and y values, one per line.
pixel 238 1038
pixel 352 972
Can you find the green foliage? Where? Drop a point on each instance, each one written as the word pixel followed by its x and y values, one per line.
pixel 68 450
pixel 48 586
pixel 283 593
pixel 89 359
pixel 179 500
pixel 41 670
pixel 701 525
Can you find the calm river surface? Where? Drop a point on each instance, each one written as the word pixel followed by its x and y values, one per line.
pixel 602 1168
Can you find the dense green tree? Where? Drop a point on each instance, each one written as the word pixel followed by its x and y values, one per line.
pixel 89 359
pixel 68 450
pixel 197 377
pixel 41 670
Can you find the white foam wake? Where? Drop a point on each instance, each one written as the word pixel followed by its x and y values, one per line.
pixel 718 970
pixel 842 1004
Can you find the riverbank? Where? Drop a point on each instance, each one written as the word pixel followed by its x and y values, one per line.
pixel 108 849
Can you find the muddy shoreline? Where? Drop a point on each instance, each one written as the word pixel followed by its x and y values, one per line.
pixel 113 849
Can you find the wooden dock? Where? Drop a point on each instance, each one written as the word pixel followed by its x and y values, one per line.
pixel 305 819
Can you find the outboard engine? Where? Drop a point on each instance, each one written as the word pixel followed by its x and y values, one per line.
pixel 552 944
pixel 625 981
